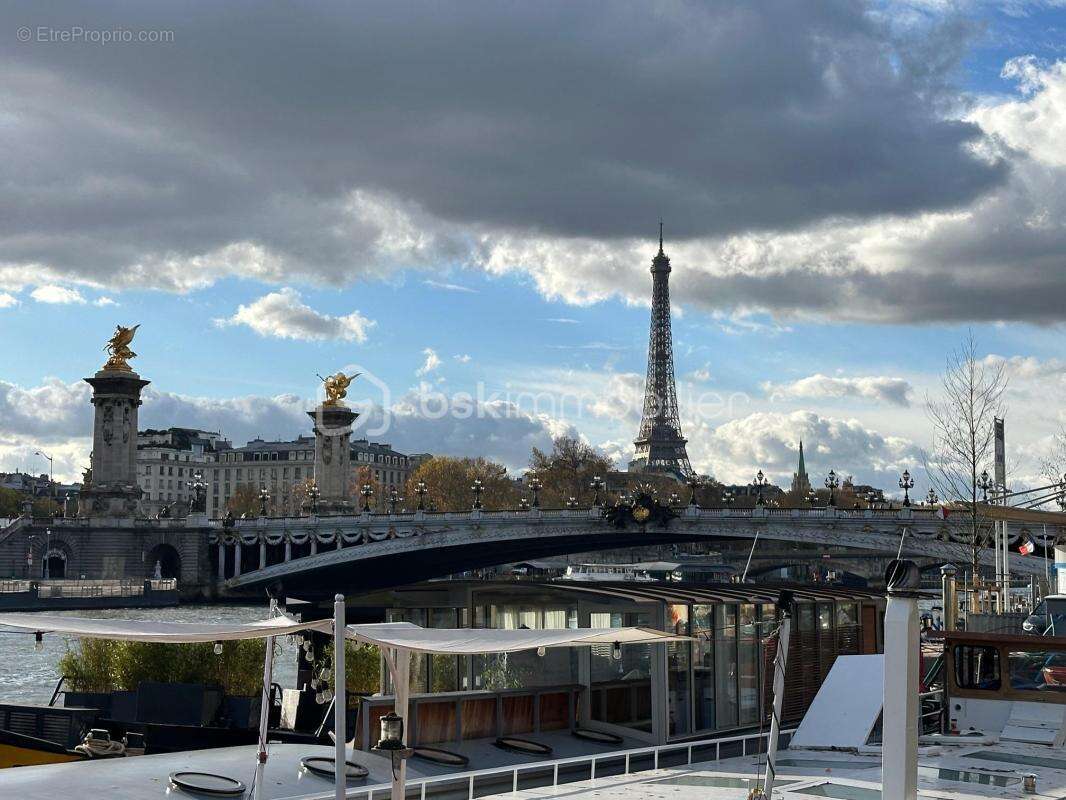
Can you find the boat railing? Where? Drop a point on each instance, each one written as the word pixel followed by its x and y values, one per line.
pixel 931 716
pixel 744 744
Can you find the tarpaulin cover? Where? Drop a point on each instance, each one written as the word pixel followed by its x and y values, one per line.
pixel 473 641
pixel 151 631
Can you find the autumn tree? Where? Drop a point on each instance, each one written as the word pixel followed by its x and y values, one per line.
pixel 244 501
pixel 963 419
pixel 448 482
pixel 567 471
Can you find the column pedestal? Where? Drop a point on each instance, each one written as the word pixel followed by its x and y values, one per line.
pixel 333 469
pixel 113 490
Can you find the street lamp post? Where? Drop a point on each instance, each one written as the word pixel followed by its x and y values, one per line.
pixel 906 483
pixel 47 549
pixel 932 498
pixel 694 482
pixel 984 483
pixel 313 493
pixel 421 489
pixel 394 499
pixel 51 482
pixel 571 502
pixel 728 497
pixel 199 489
pixel 477 488
pixel 535 486
pixel 264 498
pixel 831 483
pixel 759 483
pixel 597 485
pixel 367 492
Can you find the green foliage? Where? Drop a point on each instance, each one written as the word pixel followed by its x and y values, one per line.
pixel 96 665
pixel 362 667
pixel 10 503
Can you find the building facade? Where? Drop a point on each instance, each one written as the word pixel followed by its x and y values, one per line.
pixel 168 462
pixel 284 468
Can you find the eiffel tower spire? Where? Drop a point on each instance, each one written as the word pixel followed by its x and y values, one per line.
pixel 660 447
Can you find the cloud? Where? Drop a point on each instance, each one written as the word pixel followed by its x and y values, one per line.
pixel 703 374
pixel 450 287
pixel 283 315
pixel 431 363
pixel 8 300
pixel 464 358
pixel 104 302
pixel 58 295
pixel 563 320
pixel 895 391
pixel 782 120
pixel 770 441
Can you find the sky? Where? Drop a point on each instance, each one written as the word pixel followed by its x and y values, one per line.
pixel 461 201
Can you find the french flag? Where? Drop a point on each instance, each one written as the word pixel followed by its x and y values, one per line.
pixel 1027 546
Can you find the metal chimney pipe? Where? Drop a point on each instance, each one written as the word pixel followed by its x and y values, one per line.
pixel 899 746
pixel 951 604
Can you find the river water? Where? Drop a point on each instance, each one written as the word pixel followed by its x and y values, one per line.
pixel 27 676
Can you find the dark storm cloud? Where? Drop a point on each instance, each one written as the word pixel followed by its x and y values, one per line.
pixel 255 125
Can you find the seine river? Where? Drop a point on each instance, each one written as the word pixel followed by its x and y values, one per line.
pixel 28 676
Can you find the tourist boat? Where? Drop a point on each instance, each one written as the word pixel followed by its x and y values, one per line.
pixel 606 572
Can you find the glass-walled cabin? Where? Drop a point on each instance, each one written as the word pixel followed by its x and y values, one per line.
pixel 716 684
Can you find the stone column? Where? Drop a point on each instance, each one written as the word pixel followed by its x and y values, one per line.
pixel 113 491
pixel 333 469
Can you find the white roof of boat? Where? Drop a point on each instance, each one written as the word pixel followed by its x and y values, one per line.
pixel 945 773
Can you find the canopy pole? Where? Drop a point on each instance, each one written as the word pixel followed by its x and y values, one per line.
pixel 264 710
pixel 399 663
pixel 340 700
pixel 786 607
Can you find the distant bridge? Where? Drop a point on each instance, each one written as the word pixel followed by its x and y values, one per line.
pixel 310 556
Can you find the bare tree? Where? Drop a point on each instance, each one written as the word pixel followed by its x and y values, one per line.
pixel 963 419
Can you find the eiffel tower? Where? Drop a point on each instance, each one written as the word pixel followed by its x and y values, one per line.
pixel 660 445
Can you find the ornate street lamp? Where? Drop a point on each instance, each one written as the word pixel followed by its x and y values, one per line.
pixel 931 498
pixel 728 497
pixel 421 489
pixel 264 498
pixel 674 499
pixel 313 494
pixel 759 483
pixel 199 492
pixel 535 486
pixel 694 482
pixel 571 502
pixel 597 485
pixel 523 504
pixel 810 497
pixel 477 488
pixel 367 492
pixel 906 483
pixel 831 483
pixel 394 499
pixel 984 483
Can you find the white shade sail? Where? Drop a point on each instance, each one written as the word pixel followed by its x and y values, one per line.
pixel 150 631
pixel 474 641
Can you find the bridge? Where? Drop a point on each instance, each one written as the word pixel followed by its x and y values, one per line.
pixel 311 556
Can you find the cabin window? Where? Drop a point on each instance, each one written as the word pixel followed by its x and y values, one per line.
pixel 703 666
pixel 748 664
pixel 725 663
pixel 976 667
pixel 1038 670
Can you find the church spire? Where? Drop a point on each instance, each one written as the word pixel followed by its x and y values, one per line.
pixel 802 467
pixel 801 484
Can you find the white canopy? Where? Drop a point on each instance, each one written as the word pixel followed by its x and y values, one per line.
pixel 152 631
pixel 474 641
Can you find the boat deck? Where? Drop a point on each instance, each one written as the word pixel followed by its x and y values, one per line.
pixel 143 777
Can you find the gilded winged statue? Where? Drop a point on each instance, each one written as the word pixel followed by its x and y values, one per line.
pixel 118 348
pixel 336 387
